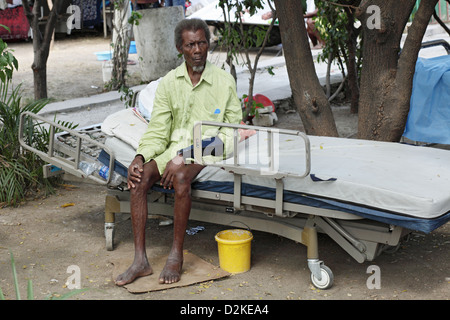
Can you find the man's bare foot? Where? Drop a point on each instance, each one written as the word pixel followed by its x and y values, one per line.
pixel 134 271
pixel 172 270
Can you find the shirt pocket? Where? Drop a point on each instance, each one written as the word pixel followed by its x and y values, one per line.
pixel 209 107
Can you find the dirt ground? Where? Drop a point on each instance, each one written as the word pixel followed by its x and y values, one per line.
pixel 71 59
pixel 49 235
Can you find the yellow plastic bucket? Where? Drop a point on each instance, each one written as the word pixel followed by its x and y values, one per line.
pixel 234 250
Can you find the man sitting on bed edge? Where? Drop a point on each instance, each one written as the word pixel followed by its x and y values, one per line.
pixel 194 91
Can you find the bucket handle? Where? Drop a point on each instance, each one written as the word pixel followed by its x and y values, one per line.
pixel 248 228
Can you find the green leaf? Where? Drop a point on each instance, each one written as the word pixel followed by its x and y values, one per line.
pixel 5 27
pixel 69 294
pixel 2 297
pixel 16 283
pixel 30 294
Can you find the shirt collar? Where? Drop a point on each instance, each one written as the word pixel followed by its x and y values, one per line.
pixel 206 74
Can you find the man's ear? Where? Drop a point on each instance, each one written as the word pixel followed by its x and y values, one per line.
pixel 180 53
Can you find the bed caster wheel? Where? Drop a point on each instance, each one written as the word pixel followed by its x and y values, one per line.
pixel 326 279
pixel 109 236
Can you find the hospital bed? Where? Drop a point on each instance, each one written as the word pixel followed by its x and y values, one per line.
pixel 365 195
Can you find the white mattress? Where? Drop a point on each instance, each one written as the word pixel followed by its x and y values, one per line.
pixel 123 152
pixel 404 179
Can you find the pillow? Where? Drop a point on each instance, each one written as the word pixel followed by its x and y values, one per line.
pixel 126 126
pixel 146 97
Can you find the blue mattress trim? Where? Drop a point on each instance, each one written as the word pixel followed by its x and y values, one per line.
pixel 412 223
pixel 103 157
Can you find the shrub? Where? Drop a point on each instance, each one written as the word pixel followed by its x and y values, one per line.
pixel 20 171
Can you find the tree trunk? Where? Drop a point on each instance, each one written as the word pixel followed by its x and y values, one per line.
pixel 309 96
pixel 41 44
pixel 39 68
pixel 386 78
pixel 121 44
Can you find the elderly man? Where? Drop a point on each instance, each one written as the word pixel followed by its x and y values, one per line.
pixel 194 91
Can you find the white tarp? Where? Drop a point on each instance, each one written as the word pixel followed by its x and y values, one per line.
pixel 214 13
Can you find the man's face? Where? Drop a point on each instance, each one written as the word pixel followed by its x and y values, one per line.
pixel 194 49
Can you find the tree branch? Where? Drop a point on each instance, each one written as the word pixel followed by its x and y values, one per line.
pixel 30 17
pixel 51 23
pixel 413 42
pixel 350 6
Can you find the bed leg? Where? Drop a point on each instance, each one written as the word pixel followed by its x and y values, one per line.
pixel 112 205
pixel 321 276
pixel 309 238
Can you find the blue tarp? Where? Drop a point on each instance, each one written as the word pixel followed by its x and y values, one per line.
pixel 429 115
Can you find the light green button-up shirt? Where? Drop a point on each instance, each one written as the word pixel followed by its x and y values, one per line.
pixel 178 105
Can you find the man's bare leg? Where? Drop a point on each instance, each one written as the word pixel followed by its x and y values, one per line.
pixel 182 208
pixel 139 212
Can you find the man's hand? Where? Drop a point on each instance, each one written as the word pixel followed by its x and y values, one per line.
pixel 134 171
pixel 169 173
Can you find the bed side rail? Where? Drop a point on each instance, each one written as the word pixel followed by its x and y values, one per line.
pixel 235 167
pixel 67 159
pixel 434 43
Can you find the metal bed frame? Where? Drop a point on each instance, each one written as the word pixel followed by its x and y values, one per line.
pixel 363 239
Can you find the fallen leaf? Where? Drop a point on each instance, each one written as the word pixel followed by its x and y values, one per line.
pixel 68 186
pixel 69 204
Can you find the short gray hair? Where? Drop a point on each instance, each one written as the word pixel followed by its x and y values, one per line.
pixel 190 25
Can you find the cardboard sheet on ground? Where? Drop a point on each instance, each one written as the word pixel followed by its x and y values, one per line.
pixel 195 270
